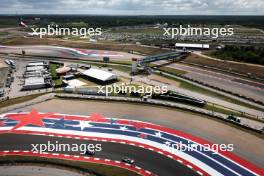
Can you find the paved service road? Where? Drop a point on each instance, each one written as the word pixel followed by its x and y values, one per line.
pixel 146 159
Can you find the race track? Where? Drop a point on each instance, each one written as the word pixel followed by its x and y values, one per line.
pixel 114 151
pixel 158 139
pixel 65 52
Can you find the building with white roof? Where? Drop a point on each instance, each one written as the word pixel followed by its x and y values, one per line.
pixel 33 64
pixel 100 75
pixel 192 45
pixel 75 83
pixel 35 68
pixel 63 70
pixel 34 83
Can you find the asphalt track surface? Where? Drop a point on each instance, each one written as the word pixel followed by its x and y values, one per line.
pixel 155 162
pixel 65 52
pixel 237 85
pixel 144 135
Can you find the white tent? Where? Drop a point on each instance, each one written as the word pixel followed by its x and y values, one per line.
pixel 100 74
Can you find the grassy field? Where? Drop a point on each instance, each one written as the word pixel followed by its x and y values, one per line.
pixel 3 33
pixel 216 108
pixel 142 31
pixel 57 80
pixel 18 100
pixel 247 54
pixel 124 68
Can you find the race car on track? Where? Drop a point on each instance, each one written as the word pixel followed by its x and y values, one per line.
pixel 128 160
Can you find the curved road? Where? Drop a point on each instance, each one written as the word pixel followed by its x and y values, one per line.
pixel 214 131
pixel 155 162
pixel 66 52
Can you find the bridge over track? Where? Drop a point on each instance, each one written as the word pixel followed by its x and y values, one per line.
pixel 165 56
pixel 142 64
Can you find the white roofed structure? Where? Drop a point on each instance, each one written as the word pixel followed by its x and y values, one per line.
pixel 192 45
pixel 63 70
pixel 100 75
pixel 34 83
pixel 34 80
pixel 33 64
pixel 35 68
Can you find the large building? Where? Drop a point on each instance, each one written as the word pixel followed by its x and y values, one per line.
pixel 36 76
pixel 34 83
pixel 34 64
pixel 99 76
pixel 35 68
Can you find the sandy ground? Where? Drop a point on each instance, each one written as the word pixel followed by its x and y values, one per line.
pixel 246 145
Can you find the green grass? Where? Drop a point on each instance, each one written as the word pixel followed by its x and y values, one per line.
pixel 122 68
pixel 57 80
pixel 121 62
pixel 247 54
pixel 216 108
pixel 139 31
pixel 19 100
pixel 3 33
